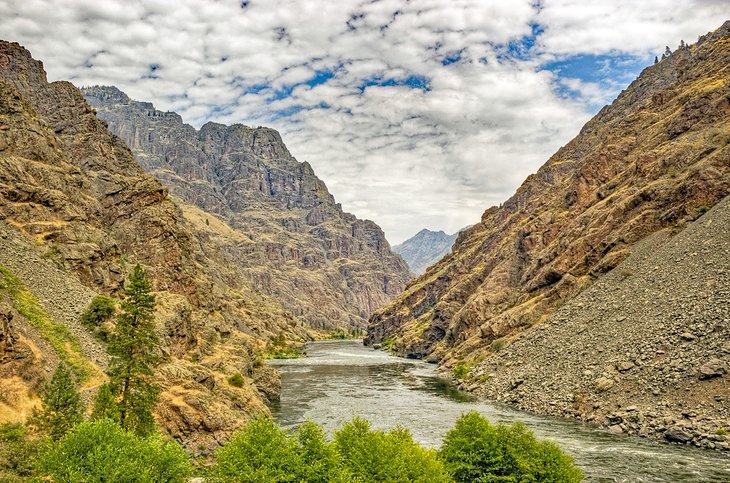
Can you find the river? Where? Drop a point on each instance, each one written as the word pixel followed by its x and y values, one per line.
pixel 342 379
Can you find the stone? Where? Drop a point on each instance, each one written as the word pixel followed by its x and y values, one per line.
pixel 625 366
pixel 711 369
pixel 688 336
pixel 603 384
pixel 677 435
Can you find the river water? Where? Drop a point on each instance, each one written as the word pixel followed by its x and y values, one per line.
pixel 342 379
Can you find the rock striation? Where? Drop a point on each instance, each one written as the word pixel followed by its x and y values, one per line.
pixel 652 162
pixel 330 269
pixel 424 249
pixel 77 211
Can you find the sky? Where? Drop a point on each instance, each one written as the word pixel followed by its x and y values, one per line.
pixel 416 114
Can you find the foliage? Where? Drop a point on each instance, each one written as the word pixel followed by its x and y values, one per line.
pixel 102 451
pixel 236 380
pixel 497 345
pixel 105 405
pixel 339 334
pixel 477 451
pixel 263 452
pixel 97 314
pixel 133 351
pixel 279 349
pixel 64 343
pixel 373 455
pixel 260 452
pixel 18 453
pixel 61 405
pixel 460 371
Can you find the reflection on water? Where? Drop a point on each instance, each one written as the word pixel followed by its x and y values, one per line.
pixel 342 379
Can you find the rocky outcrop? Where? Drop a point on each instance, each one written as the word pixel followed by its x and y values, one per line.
pixel 644 350
pixel 655 160
pixel 326 266
pixel 77 211
pixel 424 249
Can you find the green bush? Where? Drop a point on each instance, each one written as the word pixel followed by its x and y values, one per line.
pixel 236 380
pixel 102 451
pixel 260 452
pixel 18 453
pixel 372 455
pixel 476 450
pixel 98 315
pixel 460 371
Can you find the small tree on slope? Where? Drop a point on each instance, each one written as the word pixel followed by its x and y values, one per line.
pixel 61 405
pixel 133 351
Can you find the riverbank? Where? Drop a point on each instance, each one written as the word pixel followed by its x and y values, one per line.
pixel 342 379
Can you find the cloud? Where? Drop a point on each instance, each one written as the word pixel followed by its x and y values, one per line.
pixel 416 114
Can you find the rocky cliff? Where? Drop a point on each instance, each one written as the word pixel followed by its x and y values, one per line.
pixel 294 242
pixel 653 161
pixel 76 212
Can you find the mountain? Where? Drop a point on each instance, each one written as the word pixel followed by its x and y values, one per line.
pixel 294 242
pixel 76 213
pixel 424 249
pixel 652 162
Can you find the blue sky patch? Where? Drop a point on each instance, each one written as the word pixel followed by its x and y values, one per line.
pixel 413 81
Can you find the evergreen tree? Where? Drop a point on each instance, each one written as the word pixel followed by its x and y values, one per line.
pixel 105 405
pixel 656 59
pixel 133 351
pixel 61 405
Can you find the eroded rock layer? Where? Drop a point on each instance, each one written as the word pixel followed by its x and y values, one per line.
pixel 326 266
pixel 77 210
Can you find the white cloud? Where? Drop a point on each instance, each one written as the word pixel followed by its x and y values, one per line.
pixel 405 157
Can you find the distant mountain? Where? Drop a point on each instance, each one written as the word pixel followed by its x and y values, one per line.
pixel 424 249
pixel 287 234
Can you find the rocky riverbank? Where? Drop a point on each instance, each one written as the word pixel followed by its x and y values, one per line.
pixel 645 350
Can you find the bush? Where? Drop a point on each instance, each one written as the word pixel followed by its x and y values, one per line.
pixel 260 452
pixel 98 313
pixel 460 371
pixel 378 456
pixel 102 451
pixel 236 380
pixel 18 453
pixel 476 450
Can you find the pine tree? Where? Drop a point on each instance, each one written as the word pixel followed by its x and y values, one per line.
pixel 133 351
pixel 61 405
pixel 105 405
pixel 656 59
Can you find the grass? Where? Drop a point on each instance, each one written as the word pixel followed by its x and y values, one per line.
pixel 64 343
pixel 497 345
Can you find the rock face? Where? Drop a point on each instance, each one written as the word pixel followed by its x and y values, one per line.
pixel 619 353
pixel 653 161
pixel 77 211
pixel 326 266
pixel 424 249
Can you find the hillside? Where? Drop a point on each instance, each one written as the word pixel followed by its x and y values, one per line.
pixel 424 249
pixel 76 213
pixel 643 350
pixel 654 160
pixel 291 239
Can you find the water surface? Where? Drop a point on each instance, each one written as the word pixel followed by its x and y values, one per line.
pixel 342 379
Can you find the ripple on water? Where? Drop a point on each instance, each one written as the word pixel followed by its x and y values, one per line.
pixel 342 379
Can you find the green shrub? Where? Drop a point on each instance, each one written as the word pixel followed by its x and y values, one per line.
pixel 97 314
pixel 18 453
pixel 319 458
pixel 61 405
pixel 373 455
pixel 497 345
pixel 460 371
pixel 102 451
pixel 236 380
pixel 260 452
pixel 476 450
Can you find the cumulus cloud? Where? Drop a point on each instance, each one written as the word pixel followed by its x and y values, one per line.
pixel 415 113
